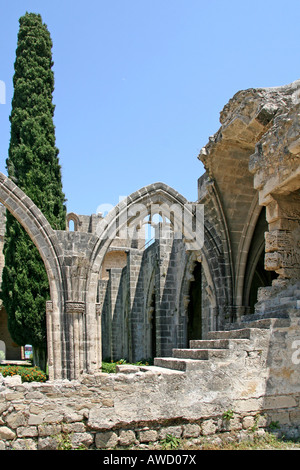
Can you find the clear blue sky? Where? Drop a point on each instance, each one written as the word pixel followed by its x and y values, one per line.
pixel 139 84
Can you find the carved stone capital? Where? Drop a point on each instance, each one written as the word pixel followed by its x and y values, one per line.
pixel 74 306
pixel 49 306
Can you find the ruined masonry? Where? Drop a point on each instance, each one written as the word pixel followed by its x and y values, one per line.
pixel 220 317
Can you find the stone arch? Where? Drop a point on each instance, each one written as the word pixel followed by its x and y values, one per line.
pixel 243 253
pixel 158 194
pixel 255 275
pixel 218 251
pixel 109 227
pixel 35 224
pixel 164 197
pixel 44 238
pixel 209 318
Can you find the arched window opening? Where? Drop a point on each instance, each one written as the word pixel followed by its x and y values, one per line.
pixel 153 225
pixel 71 225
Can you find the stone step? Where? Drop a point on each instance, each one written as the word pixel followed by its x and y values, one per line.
pixel 178 364
pixel 257 321
pixel 242 333
pixel 160 370
pixel 209 343
pixel 219 344
pixel 280 310
pixel 200 354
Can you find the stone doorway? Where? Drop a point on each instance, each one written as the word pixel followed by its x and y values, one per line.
pixel 256 274
pixel 194 312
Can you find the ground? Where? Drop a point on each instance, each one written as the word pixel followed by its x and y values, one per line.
pixel 226 441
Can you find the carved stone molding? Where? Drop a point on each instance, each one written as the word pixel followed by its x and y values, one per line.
pixel 49 306
pixel 99 309
pixel 74 307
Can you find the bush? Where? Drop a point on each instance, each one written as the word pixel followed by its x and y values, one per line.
pixel 110 366
pixel 28 374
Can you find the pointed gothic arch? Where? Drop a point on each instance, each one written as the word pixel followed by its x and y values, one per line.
pixel 44 238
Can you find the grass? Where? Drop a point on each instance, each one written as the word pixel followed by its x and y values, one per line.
pixel 223 442
pixel 266 442
pixel 110 366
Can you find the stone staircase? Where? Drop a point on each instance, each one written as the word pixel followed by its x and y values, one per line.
pixel 276 308
pixel 223 346
pixel 278 301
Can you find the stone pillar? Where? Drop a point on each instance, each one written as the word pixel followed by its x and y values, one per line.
pixel 75 345
pixel 283 238
pixel 54 341
pixel 99 333
pixel 166 275
pixel 135 304
pixel 116 319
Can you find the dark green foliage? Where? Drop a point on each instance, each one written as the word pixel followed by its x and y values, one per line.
pixel 34 166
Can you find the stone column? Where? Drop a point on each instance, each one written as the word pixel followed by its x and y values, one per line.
pixel 74 319
pixel 135 304
pixel 54 341
pixel 166 275
pixel 99 334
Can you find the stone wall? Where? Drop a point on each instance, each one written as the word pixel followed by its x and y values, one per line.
pixel 256 378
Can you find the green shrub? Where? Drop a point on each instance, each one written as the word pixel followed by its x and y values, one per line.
pixel 170 442
pixel 28 374
pixel 110 366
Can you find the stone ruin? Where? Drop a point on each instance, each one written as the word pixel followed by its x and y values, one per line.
pixel 213 296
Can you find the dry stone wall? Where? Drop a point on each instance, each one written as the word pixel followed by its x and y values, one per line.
pixel 254 376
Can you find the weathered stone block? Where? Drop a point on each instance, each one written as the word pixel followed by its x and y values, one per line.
pixel 35 420
pixel 127 438
pixel 208 427
pixel 15 420
pixel 175 431
pixel 81 439
pixel 46 430
pixel 27 431
pixel 24 444
pixel 6 433
pixel 105 440
pixel 148 435
pixel 276 402
pixel 191 430
pixel 47 443
pixel 73 428
pixel 13 381
pixel 248 422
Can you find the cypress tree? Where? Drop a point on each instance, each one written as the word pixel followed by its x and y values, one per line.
pixel 33 165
